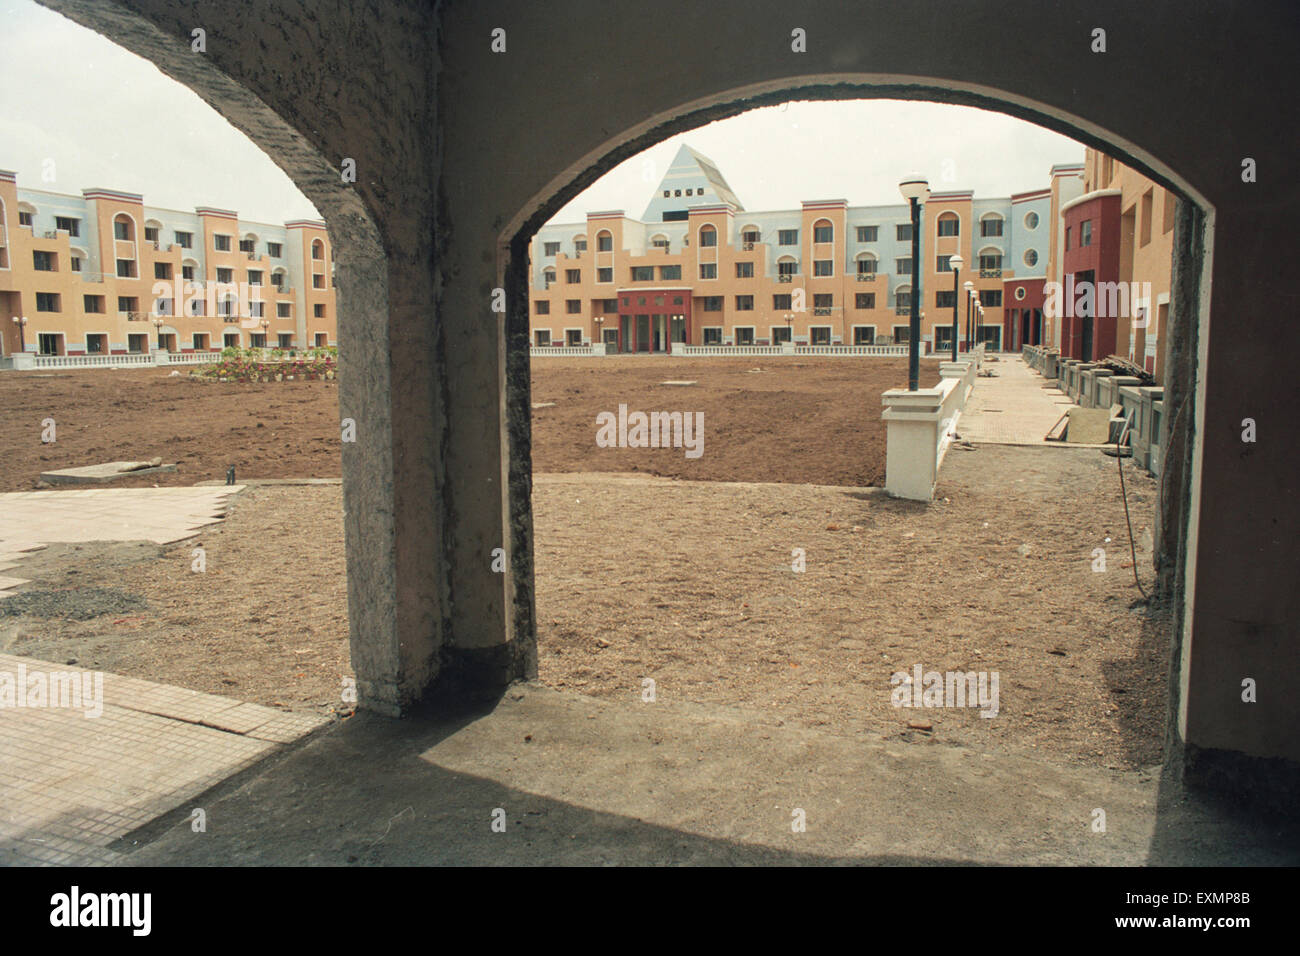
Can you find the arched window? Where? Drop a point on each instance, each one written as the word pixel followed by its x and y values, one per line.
pixel 750 236
pixel 823 231
pixel 580 243
pixel 867 263
pixel 903 296
pixel 604 241
pixel 548 277
pixel 123 227
pixel 153 232
pixel 659 241
pixel 787 267
pixel 317 249
pixel 949 224
pixel 990 257
pixel 990 225
pixel 280 279
pixel 708 236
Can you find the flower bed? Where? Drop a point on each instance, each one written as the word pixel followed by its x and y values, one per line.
pixel 271 365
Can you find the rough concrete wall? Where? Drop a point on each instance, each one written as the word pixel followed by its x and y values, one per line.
pixel 312 83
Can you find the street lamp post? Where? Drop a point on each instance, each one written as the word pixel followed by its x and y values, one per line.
pixel 915 190
pixel 599 321
pixel 21 322
pixel 157 326
pixel 265 325
pixel 970 308
pixel 979 314
pixel 956 261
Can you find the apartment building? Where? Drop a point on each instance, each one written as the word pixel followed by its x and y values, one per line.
pixel 102 273
pixel 1116 233
pixel 698 268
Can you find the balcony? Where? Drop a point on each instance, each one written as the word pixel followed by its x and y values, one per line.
pixel 866 277
pixel 823 310
pixel 134 316
pixel 748 245
pixel 990 273
pixel 903 309
pixel 785 277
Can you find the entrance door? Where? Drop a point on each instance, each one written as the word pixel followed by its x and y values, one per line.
pixel 642 333
pixel 1085 352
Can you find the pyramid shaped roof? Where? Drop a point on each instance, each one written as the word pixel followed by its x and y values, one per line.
pixel 694 171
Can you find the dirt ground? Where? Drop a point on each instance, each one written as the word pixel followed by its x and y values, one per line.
pixel 691 584
pixel 291 429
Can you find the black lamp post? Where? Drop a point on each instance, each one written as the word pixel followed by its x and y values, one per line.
pixel 265 325
pixel 970 309
pixel 21 322
pixel 915 190
pixel 956 261
pixel 157 325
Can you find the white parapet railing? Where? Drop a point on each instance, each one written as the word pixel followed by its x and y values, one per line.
pixel 697 350
pixel 557 350
pixel 894 350
pixel 920 426
pixel 26 361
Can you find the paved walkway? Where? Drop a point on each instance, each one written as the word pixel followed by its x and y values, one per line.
pixel 1015 407
pixel 77 778
pixel 30 520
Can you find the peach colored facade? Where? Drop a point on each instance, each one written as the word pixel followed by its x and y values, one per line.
pixel 87 273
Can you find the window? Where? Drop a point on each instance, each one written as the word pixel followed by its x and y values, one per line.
pixel 282 310
pixel 137 342
pixel 868 233
pixel 659 242
pixel 708 270
pixel 151 234
pixel 943 264
pixel 992 226
pixel 573 276
pixel 542 337
pixel 604 242
pixel 225 275
pixel 285 340
pixel 43 261
pixel 221 243
pixel 1148 207
pixel 254 276
pixel 745 335
pixel 187 272
pixel 579 244
pixel 673 273
pixel 782 300
pixel 903 266
pixel 823 267
pixel 902 334
pixel 121 230
pixel 163 307
pixel 903 299
pixel 787 237
pixel 126 268
pixel 75 264
pixel 708 236
pixel 542 307
pixel 573 336
pixel 668 193
pixel 824 233
pixel 162 270
pixel 1031 257
pixel 605 275
pixel 713 335
pixel 548 277
pixel 317 249
pixel 864 335
pixel 611 305
pixel 1085 233
pixel 867 266
pixel 945 299
pixel 47 302
pixel 257 340
pixel 819 335
pixel 787 267
pixel 690 192
pixel 780 334
pixel 991 262
pixel 24 218
pixel 127 303
pixel 744 303
pixel 864 300
pixel 823 300
pixel 1031 220
pixel 96 344
pixel 903 232
pixel 318 311
pixel 246 245
pixel 744 270
pixel 991 297
pixel 93 304
pixel 700 191
pixel 1067 238
pixel 749 237
pixel 573 306
pixel 949 225
pixel 71 226
pixel 273 250
pixel 677 192
pixel 713 303
pixel 643 273
pixel 184 239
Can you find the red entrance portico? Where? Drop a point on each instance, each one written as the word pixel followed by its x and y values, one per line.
pixel 1022 313
pixel 1091 257
pixel 650 320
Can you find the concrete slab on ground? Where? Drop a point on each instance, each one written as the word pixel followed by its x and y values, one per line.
pixel 77 779
pixel 1013 407
pixel 101 474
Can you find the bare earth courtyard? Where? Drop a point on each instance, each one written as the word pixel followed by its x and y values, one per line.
pixel 691 584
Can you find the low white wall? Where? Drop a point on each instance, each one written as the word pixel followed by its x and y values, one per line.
pixel 920 427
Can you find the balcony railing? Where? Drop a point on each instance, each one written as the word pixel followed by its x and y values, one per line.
pixel 135 316
pixel 866 277
pixel 785 277
pixel 903 309
pixel 823 310
pixel 990 273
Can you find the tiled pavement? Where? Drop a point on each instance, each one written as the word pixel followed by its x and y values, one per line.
pixel 71 784
pixel 1015 407
pixel 30 520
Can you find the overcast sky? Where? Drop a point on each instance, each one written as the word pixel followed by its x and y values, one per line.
pixel 107 118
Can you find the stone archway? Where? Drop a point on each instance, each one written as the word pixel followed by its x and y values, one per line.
pixel 462 143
